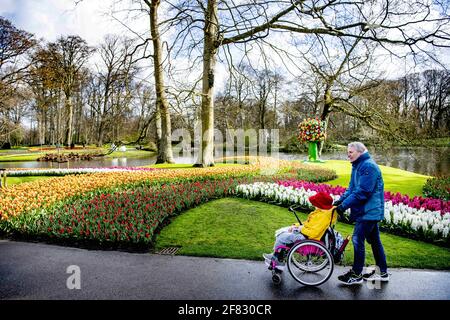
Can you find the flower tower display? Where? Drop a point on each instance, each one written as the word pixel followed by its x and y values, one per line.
pixel 312 131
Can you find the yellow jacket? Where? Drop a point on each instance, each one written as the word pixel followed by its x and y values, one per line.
pixel 317 223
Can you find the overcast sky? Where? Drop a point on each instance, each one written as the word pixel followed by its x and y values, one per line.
pixel 50 19
pixel 92 20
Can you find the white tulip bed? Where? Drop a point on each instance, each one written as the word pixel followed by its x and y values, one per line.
pixel 398 218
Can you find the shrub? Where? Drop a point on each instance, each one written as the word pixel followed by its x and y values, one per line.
pixel 437 187
pixel 151 147
pixel 316 175
pixel 294 145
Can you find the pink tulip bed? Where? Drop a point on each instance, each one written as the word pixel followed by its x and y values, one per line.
pixel 420 218
pixel 396 198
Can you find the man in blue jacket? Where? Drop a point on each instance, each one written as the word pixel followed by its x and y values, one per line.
pixel 365 198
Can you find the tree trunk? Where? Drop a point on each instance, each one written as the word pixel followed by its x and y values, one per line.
pixel 327 109
pixel 100 133
pixel 69 107
pixel 58 122
pixel 78 119
pixel 262 115
pixel 206 155
pixel 53 124
pixel 158 126
pixel 41 124
pixel 165 154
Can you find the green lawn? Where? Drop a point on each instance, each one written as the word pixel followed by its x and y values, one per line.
pixel 21 157
pixel 395 180
pixel 244 229
pixel 32 156
pixel 187 165
pixel 132 153
pixel 435 142
pixel 17 180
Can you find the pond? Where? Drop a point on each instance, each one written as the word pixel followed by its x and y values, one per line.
pixel 435 161
pixel 427 161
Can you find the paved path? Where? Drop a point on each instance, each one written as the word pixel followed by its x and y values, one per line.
pixel 38 271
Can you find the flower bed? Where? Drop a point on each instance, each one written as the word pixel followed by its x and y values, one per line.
pixel 42 193
pixel 438 187
pixel 119 219
pixel 400 217
pixel 22 172
pixel 396 198
pixel 26 208
pixel 315 175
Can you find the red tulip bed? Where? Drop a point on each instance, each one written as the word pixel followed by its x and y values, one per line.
pixel 127 218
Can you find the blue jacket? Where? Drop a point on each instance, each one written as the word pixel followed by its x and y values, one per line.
pixel 365 194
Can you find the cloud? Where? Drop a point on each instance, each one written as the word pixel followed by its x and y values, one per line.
pixel 50 19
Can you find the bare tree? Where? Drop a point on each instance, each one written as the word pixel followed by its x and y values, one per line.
pixel 240 86
pixel 69 55
pixel 42 79
pixel 110 89
pixel 15 44
pixel 165 154
pixel 222 24
pixel 388 23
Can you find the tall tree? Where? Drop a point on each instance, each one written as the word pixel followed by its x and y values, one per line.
pixel 243 22
pixel 70 54
pixel 110 89
pixel 15 44
pixel 419 25
pixel 165 153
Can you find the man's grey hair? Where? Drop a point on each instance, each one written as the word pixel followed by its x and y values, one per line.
pixel 358 146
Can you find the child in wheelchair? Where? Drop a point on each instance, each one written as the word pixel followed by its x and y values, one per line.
pixel 313 228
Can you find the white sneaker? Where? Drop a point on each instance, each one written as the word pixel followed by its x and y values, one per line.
pixel 374 276
pixel 268 261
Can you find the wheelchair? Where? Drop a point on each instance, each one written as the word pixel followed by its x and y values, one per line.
pixel 310 262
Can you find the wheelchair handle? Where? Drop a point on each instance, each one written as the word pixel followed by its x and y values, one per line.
pixel 291 209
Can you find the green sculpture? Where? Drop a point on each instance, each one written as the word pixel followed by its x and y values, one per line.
pixel 312 131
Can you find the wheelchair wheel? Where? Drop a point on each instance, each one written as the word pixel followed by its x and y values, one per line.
pixel 310 263
pixel 276 278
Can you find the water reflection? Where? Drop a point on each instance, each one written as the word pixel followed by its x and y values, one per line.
pixel 420 160
pixel 429 161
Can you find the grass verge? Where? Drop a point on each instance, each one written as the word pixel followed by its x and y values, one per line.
pixel 32 156
pixel 395 180
pixel 17 180
pixel 244 229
